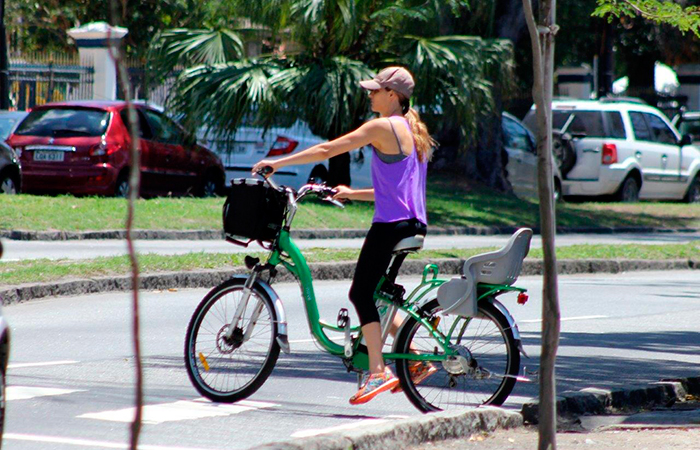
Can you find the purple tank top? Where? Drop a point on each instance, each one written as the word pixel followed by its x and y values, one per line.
pixel 399 187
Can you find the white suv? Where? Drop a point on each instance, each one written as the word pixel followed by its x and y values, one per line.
pixel 625 149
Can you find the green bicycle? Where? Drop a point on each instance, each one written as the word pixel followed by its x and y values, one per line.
pixel 457 326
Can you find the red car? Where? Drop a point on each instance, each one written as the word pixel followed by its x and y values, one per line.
pixel 82 147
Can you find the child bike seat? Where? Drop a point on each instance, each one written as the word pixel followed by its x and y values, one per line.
pixel 410 244
pixel 458 296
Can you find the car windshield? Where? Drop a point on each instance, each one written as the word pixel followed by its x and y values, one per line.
pixel 6 125
pixel 65 122
pixel 588 123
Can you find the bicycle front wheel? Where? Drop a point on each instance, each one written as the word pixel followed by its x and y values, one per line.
pixel 483 371
pixel 228 369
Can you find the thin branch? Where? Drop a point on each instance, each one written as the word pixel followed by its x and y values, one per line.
pixel 134 187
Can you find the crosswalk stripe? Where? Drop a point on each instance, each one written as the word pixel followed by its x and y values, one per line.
pixel 87 442
pixel 27 392
pixel 180 410
pixel 39 364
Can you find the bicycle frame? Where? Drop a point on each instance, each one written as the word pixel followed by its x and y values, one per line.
pixel 297 265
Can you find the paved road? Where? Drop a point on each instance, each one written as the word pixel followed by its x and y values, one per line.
pixel 71 374
pixel 20 250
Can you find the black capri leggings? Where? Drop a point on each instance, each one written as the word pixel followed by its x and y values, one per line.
pixel 374 260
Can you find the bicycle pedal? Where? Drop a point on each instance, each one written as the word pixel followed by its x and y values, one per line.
pixel 343 318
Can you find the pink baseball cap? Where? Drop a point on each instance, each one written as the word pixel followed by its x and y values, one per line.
pixel 395 78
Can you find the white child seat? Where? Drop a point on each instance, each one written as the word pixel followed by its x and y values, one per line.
pixel 458 296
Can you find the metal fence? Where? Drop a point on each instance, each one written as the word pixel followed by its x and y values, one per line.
pixel 40 78
pixel 142 88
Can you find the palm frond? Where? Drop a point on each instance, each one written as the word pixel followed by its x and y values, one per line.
pixel 187 48
pixel 222 96
pixel 325 93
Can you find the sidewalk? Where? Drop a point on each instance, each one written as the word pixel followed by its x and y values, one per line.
pixel 678 437
pixel 676 427
pixel 658 416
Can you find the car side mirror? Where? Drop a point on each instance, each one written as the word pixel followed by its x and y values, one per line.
pixel 685 140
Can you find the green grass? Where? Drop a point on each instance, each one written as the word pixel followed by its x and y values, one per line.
pixel 450 203
pixel 44 270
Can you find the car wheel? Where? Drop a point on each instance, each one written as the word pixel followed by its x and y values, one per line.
pixel 121 190
pixel 564 151
pixel 693 194
pixel 629 191
pixel 557 192
pixel 319 175
pixel 211 187
pixel 8 185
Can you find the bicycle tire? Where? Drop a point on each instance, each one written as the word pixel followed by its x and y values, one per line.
pixel 211 362
pixel 490 332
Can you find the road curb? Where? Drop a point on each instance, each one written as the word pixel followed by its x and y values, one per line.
pixel 345 233
pixel 399 434
pixel 320 271
pixel 595 401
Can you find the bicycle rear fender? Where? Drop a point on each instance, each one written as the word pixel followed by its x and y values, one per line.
pixel 511 322
pixel 281 322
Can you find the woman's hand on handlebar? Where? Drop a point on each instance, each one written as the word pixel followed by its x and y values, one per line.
pixel 260 166
pixel 342 192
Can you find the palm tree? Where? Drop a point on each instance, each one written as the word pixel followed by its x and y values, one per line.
pixel 337 43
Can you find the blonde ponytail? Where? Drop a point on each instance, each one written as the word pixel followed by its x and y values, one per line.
pixel 424 142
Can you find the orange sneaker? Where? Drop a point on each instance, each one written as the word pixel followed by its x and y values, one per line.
pixel 419 371
pixel 375 384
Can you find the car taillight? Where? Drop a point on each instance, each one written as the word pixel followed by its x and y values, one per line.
pixel 102 149
pixel 282 146
pixel 609 154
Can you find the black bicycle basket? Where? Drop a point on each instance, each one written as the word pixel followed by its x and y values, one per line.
pixel 253 211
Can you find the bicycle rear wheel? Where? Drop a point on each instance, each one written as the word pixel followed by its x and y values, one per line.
pixel 228 370
pixel 483 373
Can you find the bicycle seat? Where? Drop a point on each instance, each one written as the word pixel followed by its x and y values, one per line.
pixel 409 244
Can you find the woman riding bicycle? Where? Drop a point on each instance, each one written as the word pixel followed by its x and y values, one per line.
pixel 402 147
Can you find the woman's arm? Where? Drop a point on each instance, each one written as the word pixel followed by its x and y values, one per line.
pixel 356 139
pixel 365 195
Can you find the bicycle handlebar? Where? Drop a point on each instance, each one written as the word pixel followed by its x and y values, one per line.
pixel 324 192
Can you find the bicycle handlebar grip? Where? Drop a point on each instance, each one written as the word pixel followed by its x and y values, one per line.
pixel 267 170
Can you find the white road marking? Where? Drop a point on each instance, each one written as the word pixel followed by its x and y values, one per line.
pixel 87 442
pixel 180 410
pixel 27 392
pixel 566 319
pixel 347 426
pixel 39 364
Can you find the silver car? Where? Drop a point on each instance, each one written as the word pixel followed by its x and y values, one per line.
pixel 521 167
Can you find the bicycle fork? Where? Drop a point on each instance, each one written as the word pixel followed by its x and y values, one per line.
pixel 240 310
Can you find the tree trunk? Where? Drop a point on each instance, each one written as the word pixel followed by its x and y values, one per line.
pixel 543 65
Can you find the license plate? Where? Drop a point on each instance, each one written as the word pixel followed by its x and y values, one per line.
pixel 48 156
